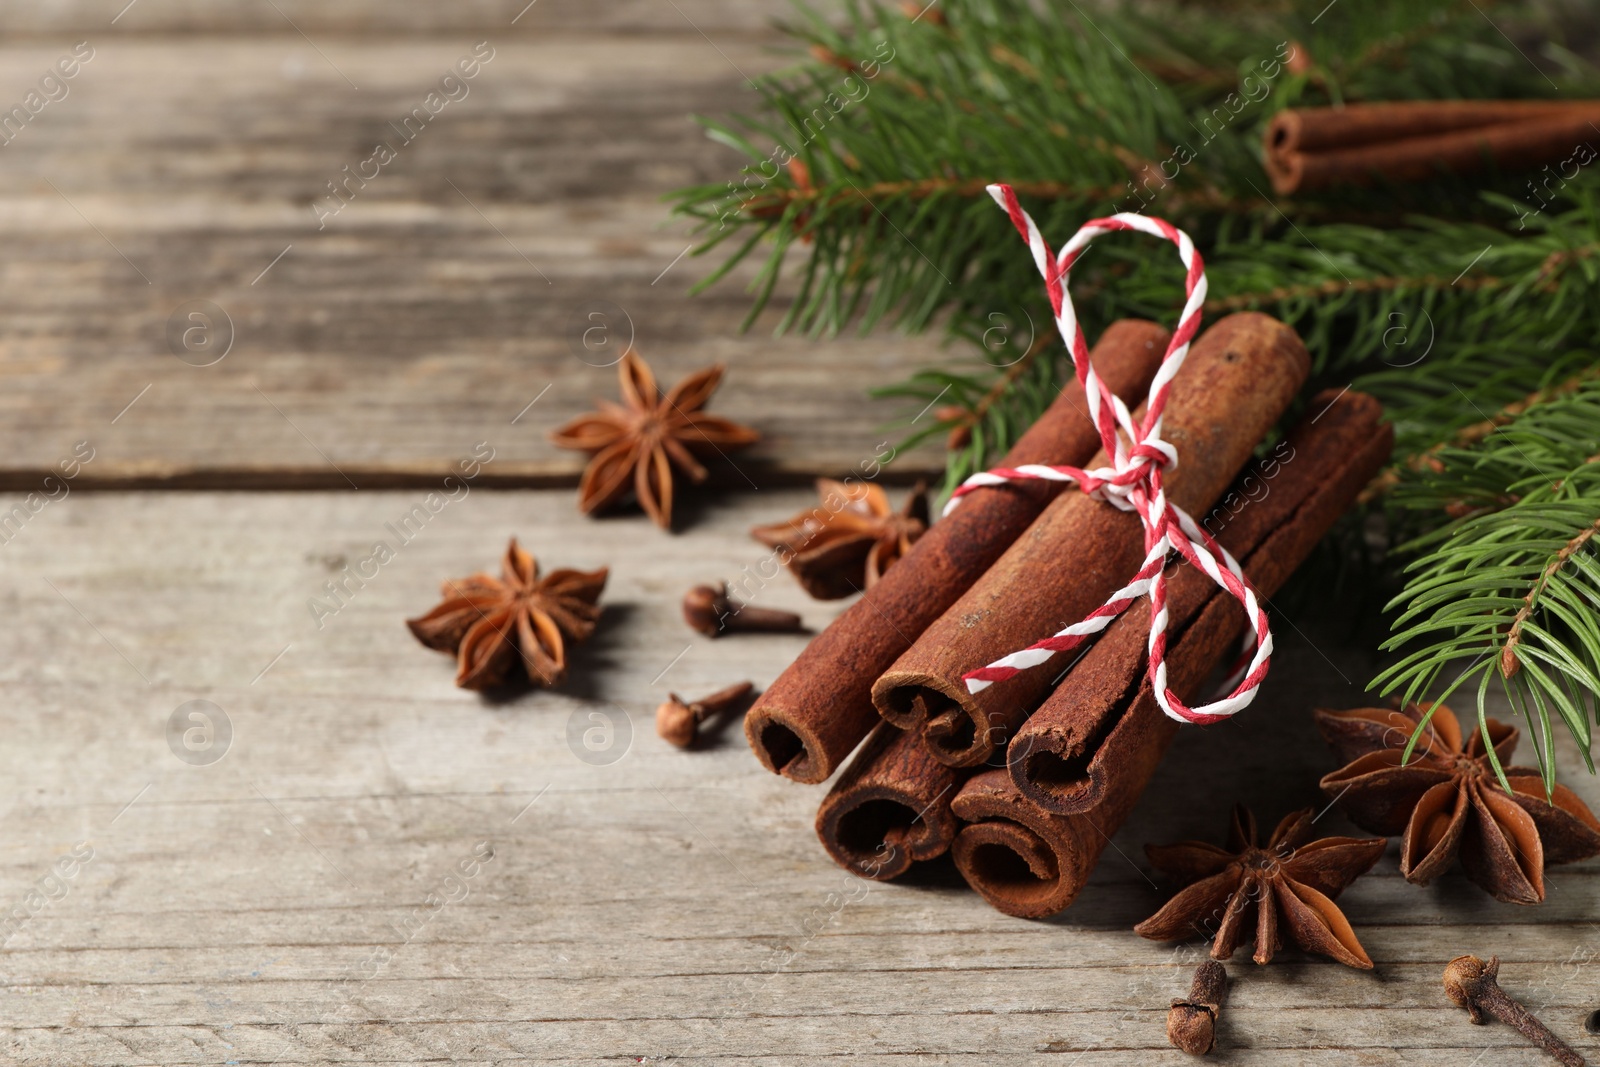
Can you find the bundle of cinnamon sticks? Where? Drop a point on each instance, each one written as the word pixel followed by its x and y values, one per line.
pixel 1025 782
pixel 1360 144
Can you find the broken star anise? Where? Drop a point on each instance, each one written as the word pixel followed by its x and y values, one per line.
pixel 1447 800
pixel 493 624
pixel 1288 885
pixel 637 446
pixel 846 542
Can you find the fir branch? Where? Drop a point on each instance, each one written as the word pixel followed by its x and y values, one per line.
pixel 776 203
pixel 1467 307
pixel 1509 663
pixel 1471 434
pixel 1511 592
pixel 889 192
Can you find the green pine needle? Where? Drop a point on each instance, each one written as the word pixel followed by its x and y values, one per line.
pixel 1462 304
pixel 1510 589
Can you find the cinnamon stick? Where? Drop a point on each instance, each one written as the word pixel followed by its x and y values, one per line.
pixel 890 806
pixel 820 708
pixel 1030 862
pixel 1239 378
pixel 1063 757
pixel 1534 138
pixel 1316 129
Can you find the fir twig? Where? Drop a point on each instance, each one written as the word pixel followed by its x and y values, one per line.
pixel 1466 307
pixel 1511 591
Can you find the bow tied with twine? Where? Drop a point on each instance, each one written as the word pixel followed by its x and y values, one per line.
pixel 1133 481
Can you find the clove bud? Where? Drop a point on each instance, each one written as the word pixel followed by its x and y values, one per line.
pixel 713 612
pixel 1192 1023
pixel 1473 984
pixel 677 719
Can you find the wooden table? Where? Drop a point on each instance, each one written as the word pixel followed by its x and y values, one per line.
pixel 381 868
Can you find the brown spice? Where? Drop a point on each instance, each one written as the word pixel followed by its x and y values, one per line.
pixel 1307 149
pixel 677 720
pixel 1239 378
pixel 1030 862
pixel 892 804
pixel 1474 985
pixel 847 542
pixel 1287 886
pixel 819 709
pixel 1447 800
pixel 1088 733
pixel 1023 860
pixel 492 624
pixel 710 610
pixel 1192 1023
pixel 890 807
pixel 637 447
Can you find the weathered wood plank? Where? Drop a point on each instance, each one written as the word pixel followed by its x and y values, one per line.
pixel 445 295
pixel 365 17
pixel 273 906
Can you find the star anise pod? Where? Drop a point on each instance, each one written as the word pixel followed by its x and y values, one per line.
pixel 1447 800
pixel 1288 885
pixel 493 624
pixel 846 542
pixel 636 445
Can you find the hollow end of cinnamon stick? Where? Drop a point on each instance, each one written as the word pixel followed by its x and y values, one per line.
pixel 1283 132
pixel 786 745
pixel 889 808
pixel 1011 867
pixel 1060 782
pixel 1023 861
pixel 879 836
pixel 1287 172
pixel 927 705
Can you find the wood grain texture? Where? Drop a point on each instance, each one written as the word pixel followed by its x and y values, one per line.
pixel 366 17
pixel 449 293
pixel 303 900
pixel 671 906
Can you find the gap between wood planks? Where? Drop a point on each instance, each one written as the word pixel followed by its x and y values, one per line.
pixel 110 479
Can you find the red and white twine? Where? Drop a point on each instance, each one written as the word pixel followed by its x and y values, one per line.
pixel 1133 481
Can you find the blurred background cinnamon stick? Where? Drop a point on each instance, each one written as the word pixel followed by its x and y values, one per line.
pixel 1306 149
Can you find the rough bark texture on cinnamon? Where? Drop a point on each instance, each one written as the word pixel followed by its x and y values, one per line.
pixel 1030 862
pixel 1063 757
pixel 890 807
pixel 1239 378
pixel 1363 144
pixel 820 708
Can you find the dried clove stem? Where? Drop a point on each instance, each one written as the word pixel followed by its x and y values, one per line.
pixel 1472 984
pixel 713 612
pixel 677 719
pixel 1192 1023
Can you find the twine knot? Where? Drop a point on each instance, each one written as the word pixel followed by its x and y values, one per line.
pixel 1133 481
